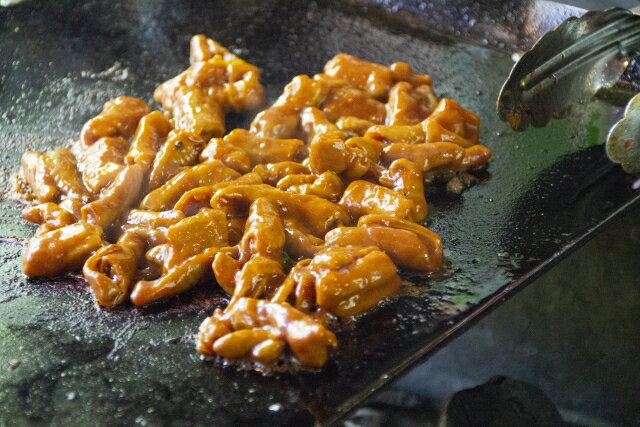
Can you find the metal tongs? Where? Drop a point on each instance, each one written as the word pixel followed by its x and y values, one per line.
pixel 582 59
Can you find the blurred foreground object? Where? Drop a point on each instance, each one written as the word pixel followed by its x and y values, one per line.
pixel 10 2
pixel 501 401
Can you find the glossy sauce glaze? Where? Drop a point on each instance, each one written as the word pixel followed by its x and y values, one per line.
pixel 304 217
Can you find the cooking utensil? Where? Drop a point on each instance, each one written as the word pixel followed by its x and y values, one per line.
pixel 581 58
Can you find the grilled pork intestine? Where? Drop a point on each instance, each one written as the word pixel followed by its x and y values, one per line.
pixel 303 218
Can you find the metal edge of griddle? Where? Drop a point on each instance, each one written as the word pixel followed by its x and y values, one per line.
pixel 483 309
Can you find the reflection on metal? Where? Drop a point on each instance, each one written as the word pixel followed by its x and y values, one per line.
pixel 10 2
pixel 623 142
pixel 568 66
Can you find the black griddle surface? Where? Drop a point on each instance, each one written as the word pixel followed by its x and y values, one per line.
pixel 546 192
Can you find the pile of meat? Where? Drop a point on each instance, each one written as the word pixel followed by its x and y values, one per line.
pixel 305 216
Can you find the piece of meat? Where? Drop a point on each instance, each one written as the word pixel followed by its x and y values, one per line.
pixel 282 119
pixel 179 279
pixel 254 268
pixel 272 173
pixel 119 118
pixel 318 214
pixel 408 105
pixel 119 196
pixel 412 246
pixel 405 177
pixel 299 242
pixel 259 330
pixel 102 162
pixel 426 155
pixel 242 150
pixel 191 236
pixel 327 185
pixel 53 176
pixel 364 198
pixel 373 78
pixel 49 216
pixel 343 281
pixel 352 102
pixel 206 173
pixel 111 270
pixel 150 135
pixel 192 200
pixel 60 251
pixel 180 149
pixel 195 111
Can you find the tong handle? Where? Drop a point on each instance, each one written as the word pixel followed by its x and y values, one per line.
pixel 616 36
